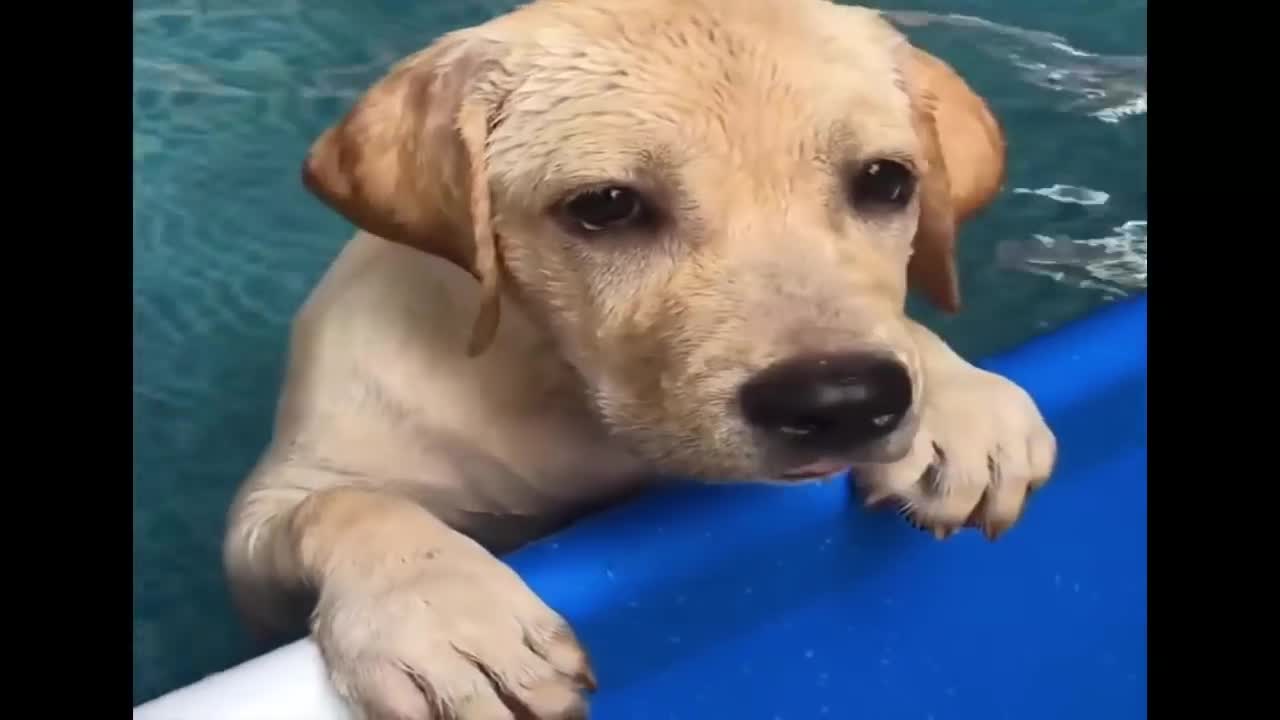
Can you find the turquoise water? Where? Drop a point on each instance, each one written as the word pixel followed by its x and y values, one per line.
pixel 229 94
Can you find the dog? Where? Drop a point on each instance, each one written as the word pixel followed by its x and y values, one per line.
pixel 598 243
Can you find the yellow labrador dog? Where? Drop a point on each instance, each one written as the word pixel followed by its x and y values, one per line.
pixel 600 242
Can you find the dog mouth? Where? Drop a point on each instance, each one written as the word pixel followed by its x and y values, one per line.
pixel 817 470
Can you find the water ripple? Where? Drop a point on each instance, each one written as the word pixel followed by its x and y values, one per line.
pixel 1115 263
pixel 1106 87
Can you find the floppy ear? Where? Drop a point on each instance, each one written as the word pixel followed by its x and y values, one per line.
pixel 408 163
pixel 964 158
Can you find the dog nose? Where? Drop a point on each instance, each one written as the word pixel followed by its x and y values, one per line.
pixel 831 403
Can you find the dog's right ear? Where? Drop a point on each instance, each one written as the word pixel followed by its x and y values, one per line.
pixel 408 163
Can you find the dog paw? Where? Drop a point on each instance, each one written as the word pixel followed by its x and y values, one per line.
pixel 981 449
pixel 450 643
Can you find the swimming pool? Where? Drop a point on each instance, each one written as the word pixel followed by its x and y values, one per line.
pixel 228 95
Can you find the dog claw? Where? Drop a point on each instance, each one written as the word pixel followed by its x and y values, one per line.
pixel 943 532
pixel 975 518
pixel 993 530
pixel 587 679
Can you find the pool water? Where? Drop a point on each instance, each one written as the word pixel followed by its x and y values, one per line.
pixel 229 94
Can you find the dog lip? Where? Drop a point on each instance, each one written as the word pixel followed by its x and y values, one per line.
pixel 820 469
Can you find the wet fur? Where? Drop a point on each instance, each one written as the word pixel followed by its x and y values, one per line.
pixel 471 374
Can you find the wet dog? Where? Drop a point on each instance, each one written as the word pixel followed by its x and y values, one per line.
pixel 601 242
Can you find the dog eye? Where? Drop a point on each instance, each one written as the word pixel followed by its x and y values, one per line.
pixel 882 185
pixel 607 208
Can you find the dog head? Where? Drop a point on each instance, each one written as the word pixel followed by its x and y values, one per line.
pixel 715 207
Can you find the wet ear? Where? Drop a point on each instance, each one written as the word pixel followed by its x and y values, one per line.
pixel 408 162
pixel 963 169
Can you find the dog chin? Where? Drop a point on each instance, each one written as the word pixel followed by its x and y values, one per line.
pixel 762 463
pixel 770 475
pixel 890 450
pixel 815 471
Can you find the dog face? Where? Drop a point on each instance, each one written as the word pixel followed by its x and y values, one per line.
pixel 715 207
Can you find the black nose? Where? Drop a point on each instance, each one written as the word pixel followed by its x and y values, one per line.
pixel 831 403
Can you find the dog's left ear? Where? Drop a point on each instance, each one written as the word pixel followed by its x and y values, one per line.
pixel 964 166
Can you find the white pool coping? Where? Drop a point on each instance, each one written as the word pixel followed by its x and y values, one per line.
pixel 288 683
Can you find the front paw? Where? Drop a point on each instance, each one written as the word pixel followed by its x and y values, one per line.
pixel 435 640
pixel 981 449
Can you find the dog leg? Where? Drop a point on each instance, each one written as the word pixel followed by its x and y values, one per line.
pixel 415 620
pixel 981 449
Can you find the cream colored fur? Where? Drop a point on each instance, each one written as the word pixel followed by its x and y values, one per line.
pixel 470 374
